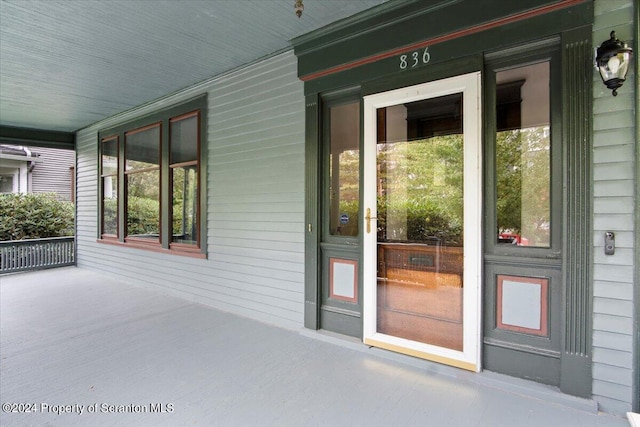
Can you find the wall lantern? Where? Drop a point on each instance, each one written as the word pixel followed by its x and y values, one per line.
pixel 298 7
pixel 612 59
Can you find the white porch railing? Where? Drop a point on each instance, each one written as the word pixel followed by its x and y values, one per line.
pixel 35 254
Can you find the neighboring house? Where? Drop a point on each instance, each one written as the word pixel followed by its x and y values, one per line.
pixel 37 170
pixel 16 166
pixel 360 181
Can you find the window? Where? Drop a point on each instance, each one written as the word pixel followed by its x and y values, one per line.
pixel 109 178
pixel 523 156
pixel 184 178
pixel 142 174
pixel 344 169
pixel 151 181
pixel 7 183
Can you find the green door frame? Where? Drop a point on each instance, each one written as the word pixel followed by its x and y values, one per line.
pixel 370 52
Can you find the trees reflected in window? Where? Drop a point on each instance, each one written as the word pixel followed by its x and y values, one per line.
pixel 150 184
pixel 523 156
pixel 142 171
pixel 184 178
pixel 344 170
pixel 420 169
pixel 109 176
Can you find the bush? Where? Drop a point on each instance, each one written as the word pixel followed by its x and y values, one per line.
pixel 143 217
pixel 424 222
pixel 34 216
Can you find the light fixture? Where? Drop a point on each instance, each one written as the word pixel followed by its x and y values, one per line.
pixel 612 59
pixel 298 7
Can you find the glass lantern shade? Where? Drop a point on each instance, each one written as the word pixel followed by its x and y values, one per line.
pixel 613 58
pixel 298 7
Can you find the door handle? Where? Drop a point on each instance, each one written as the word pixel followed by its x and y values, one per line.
pixel 368 218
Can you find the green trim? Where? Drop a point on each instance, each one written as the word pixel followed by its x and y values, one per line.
pixel 385 14
pixel 376 45
pixel 334 315
pixel 165 182
pixel 37 137
pixel 312 231
pixel 203 179
pixel 577 129
pixel 461 35
pixel 540 51
pixel 438 71
pixel 122 188
pixel 338 316
pixel 523 355
pixel 503 37
pixel 636 294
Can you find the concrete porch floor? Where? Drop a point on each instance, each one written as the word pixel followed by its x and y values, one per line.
pixel 75 340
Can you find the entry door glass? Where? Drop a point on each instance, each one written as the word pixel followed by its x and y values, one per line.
pixel 421 149
pixel 419 166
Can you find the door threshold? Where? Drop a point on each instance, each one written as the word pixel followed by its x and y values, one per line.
pixel 485 378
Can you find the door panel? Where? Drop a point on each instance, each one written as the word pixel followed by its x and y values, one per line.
pixel 523 270
pixel 422 220
pixel 340 302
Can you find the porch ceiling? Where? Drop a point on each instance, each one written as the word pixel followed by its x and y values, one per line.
pixel 67 64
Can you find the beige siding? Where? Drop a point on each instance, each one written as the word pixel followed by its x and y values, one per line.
pixel 255 214
pixel 614 198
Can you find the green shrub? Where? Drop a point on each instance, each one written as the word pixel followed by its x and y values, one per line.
pixel 424 222
pixel 143 217
pixel 34 216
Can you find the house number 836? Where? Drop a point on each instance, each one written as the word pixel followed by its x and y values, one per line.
pixel 414 59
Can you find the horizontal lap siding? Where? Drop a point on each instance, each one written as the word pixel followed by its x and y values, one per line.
pixel 614 199
pixel 255 200
pixel 53 174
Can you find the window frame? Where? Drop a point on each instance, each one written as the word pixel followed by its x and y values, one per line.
pixel 127 174
pixel 162 119
pixel 545 51
pixel 198 162
pixel 102 141
pixel 329 101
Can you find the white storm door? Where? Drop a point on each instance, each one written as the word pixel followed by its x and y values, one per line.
pixel 422 221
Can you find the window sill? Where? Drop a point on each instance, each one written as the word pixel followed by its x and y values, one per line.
pixel 155 247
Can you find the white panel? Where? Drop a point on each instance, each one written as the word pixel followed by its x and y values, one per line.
pixel 521 304
pixel 343 279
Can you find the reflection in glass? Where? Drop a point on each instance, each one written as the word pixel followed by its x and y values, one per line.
pixel 110 205
pixel 344 170
pixel 142 161
pixel 6 184
pixel 109 169
pixel 184 178
pixel 185 204
pixel 110 157
pixel 184 139
pixel 420 221
pixel 142 149
pixel 523 156
pixel 143 205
